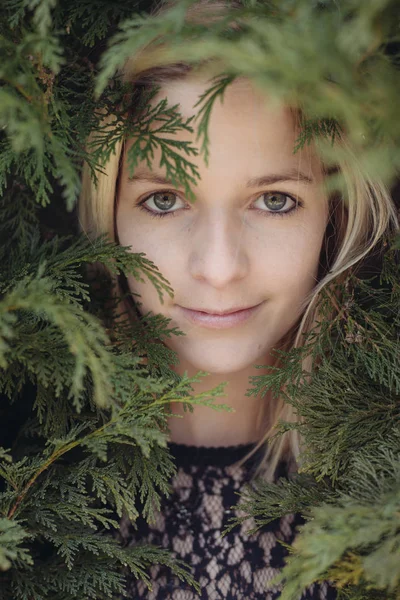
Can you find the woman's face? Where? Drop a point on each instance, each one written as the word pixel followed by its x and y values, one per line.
pixel 242 243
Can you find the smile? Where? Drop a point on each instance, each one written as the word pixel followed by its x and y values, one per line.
pixel 220 321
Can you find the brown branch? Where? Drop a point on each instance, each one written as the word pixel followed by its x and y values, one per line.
pixel 49 462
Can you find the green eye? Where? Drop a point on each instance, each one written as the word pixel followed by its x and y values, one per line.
pixel 164 200
pixel 276 202
pixel 165 204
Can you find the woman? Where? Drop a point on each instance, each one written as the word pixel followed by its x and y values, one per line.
pixel 247 262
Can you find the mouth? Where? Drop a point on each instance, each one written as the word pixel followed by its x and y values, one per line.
pixel 217 312
pixel 220 320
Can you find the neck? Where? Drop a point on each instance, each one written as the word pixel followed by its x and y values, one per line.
pixel 208 427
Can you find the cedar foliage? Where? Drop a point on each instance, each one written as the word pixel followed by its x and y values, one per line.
pixel 83 412
pixel 348 488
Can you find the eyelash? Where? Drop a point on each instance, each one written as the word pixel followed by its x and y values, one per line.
pixel 298 204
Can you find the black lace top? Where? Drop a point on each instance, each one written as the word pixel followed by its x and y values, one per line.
pixel 237 566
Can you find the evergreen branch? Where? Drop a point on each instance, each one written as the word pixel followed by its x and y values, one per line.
pixel 18 222
pixel 14 472
pixel 105 482
pixel 143 339
pixel 68 545
pixel 334 87
pixel 98 576
pixel 102 145
pixel 12 534
pixel 42 14
pixel 64 445
pixel 213 92
pixel 41 17
pixel 46 55
pixel 89 25
pixel 61 449
pixel 112 430
pixel 145 555
pixel 91 577
pixel 179 394
pixel 148 135
pixel 311 129
pixel 87 344
pixel 334 533
pixel 134 34
pixel 266 501
pixel 149 480
pixel 66 173
pixel 22 124
pixel 7 158
pixel 62 256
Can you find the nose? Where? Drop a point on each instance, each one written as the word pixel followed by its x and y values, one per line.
pixel 217 249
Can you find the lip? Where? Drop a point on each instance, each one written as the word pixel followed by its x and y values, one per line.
pixel 220 312
pixel 220 321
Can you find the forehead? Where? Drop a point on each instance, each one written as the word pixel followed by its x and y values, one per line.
pixel 248 130
pixel 240 99
pixel 241 104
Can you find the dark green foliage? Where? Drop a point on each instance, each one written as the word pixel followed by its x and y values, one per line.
pixel 174 163
pixel 349 485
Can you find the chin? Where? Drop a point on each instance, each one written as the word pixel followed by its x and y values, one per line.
pixel 223 362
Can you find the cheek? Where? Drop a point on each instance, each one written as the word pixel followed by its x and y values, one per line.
pixel 141 233
pixel 292 264
pixel 143 238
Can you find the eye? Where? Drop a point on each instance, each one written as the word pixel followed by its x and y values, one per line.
pixel 277 202
pixel 162 201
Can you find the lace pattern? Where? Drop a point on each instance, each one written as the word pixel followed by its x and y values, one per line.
pixel 238 566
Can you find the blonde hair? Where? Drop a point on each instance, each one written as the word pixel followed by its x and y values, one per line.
pixel 358 225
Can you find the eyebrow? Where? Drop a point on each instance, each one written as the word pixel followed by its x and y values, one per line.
pixel 144 176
